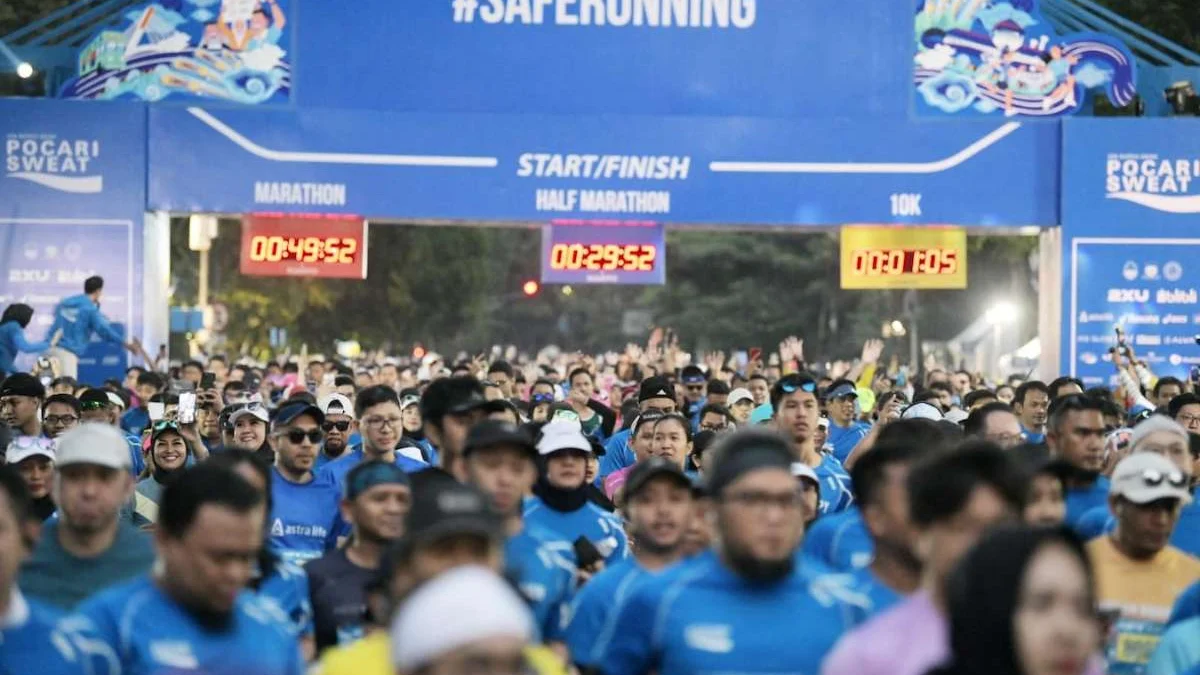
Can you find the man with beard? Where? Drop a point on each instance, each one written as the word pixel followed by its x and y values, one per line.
pixel 744 606
pixel 794 400
pixel 89 546
pixel 304 509
pixel 193 613
pixel 339 426
pixel 954 498
pixel 659 508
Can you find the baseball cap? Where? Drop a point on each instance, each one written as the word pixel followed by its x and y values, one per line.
pixel 335 404
pixel 257 411
pixel 411 399
pixel 656 387
pixel 96 399
pixel 23 447
pixel 493 433
pixel 645 471
pixel 444 507
pixel 1144 477
pixel 923 410
pixel 287 414
pixel 468 604
pixel 562 434
pixel 802 470
pixel 692 375
pixel 117 401
pixel 842 390
pixel 1155 424
pixel 94 443
pixel 740 394
pixel 455 396
pixel 22 384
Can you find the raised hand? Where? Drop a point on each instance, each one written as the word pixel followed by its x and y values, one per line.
pixel 872 350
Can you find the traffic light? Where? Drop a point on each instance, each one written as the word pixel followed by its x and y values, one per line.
pixel 531 288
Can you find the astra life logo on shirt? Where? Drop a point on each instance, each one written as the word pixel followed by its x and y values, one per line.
pixel 279 529
pixel 714 638
pixel 1160 183
pixel 63 164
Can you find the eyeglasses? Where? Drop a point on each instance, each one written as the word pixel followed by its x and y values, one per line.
pixel 297 436
pixel 1187 420
pixel 379 422
pixel 340 426
pixel 60 420
pixel 760 502
pixel 1154 478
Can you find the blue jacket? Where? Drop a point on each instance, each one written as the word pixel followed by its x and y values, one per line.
pixel 12 342
pixel 79 318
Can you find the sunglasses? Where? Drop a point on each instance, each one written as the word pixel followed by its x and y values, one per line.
pixel 93 405
pixel 27 442
pixel 542 398
pixel 695 387
pixel 297 436
pixel 793 387
pixel 340 426
pixel 1154 478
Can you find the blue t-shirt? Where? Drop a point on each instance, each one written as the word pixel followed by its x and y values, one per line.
pixel 617 455
pixel 153 635
pixel 304 518
pixel 336 470
pixel 881 596
pixel 136 458
pixel 700 618
pixel 836 492
pixel 1081 500
pixel 594 612
pixel 840 541
pixel 1187 606
pixel 135 421
pixel 602 528
pixel 844 439
pixel 39 643
pixel 1032 436
pixel 287 588
pixel 544 577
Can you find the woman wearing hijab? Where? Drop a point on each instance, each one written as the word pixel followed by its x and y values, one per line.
pixel 13 323
pixel 1022 602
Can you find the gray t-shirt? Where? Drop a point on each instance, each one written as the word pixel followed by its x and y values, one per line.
pixel 58 578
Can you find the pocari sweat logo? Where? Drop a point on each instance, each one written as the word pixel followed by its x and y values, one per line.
pixel 1160 183
pixel 60 164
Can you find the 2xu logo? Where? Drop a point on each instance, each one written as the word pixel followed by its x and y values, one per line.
pixel 1128 295
pixel 907 204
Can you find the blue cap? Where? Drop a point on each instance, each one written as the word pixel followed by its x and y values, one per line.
pixel 841 391
pixel 287 414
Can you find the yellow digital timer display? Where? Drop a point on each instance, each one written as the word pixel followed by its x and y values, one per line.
pixel 882 257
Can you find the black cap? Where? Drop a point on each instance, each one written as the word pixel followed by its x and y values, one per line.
pixel 22 384
pixel 647 470
pixel 444 507
pixel 94 399
pixel 287 414
pixel 495 433
pixel 656 387
pixel 456 396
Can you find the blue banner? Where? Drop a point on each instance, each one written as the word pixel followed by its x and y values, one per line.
pixel 1002 58
pixel 72 200
pixel 1127 175
pixel 677 170
pixel 1150 288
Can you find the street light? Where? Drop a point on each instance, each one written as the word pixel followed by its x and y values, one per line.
pixel 24 70
pixel 1001 313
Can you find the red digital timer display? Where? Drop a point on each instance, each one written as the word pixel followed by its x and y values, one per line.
pixel 920 261
pixel 304 246
pixel 604 257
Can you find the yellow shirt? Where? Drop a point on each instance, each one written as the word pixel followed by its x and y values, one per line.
pixel 372 656
pixel 1144 592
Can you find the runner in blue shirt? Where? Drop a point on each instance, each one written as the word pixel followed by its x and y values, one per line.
pixel 1075 433
pixel 194 614
pixel 659 507
pixel 840 540
pixel 695 388
pixel 560 503
pixel 1031 403
pixel 304 508
pixel 744 607
pixel 378 411
pixel 844 431
pixel 655 393
pixel 339 426
pixel 450 406
pixel 794 399
pixel 501 460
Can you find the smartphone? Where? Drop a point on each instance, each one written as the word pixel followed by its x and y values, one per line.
pixel 754 354
pixel 252 383
pixel 157 410
pixel 208 381
pixel 1124 349
pixel 586 553
pixel 186 413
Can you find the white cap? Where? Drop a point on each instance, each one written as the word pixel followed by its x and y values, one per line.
pixel 922 410
pixel 957 415
pixel 94 443
pixel 802 470
pixel 340 404
pixel 740 394
pixel 467 604
pixel 116 401
pixel 258 412
pixel 562 434
pixel 24 447
pixel 1145 477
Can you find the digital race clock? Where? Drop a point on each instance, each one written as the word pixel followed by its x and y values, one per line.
pixel 603 252
pixel 902 257
pixel 304 246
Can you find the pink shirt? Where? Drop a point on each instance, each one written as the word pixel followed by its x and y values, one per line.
pixel 908 639
pixel 614 481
